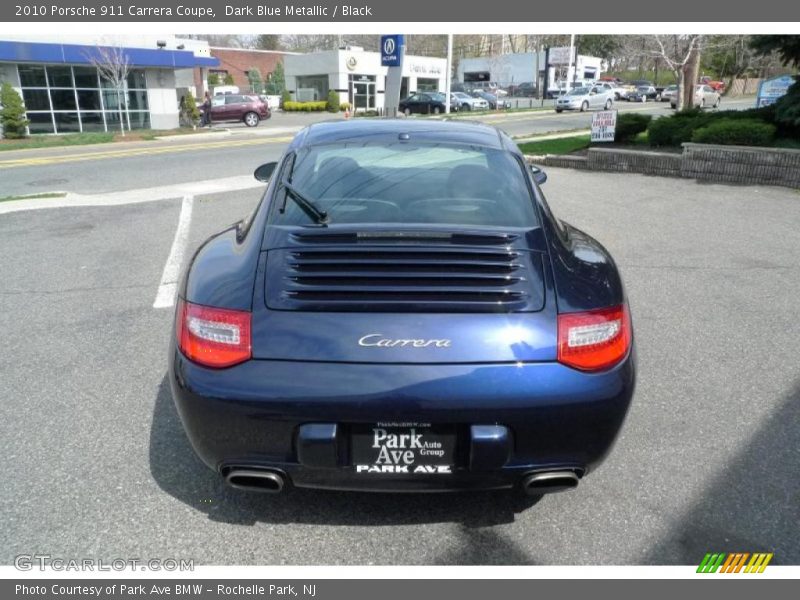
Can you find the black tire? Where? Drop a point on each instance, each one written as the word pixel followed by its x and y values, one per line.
pixel 584 106
pixel 466 106
pixel 407 111
pixel 436 110
pixel 658 97
pixel 558 110
pixel 251 119
pixel 609 104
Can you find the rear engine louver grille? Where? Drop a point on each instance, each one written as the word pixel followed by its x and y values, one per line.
pixel 404 278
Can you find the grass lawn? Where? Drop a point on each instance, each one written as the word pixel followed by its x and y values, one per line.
pixel 100 137
pixel 563 145
pixel 33 196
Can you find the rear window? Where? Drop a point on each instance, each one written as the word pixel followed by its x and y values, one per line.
pixel 404 183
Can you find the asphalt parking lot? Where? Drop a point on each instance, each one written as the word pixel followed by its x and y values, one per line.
pixel 96 463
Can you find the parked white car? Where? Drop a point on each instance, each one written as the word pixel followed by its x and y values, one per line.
pixel 467 102
pixel 584 98
pixel 704 97
pixel 669 92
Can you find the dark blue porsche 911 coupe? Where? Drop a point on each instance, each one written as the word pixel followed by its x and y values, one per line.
pixel 402 312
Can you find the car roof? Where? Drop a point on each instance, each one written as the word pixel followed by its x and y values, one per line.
pixel 387 130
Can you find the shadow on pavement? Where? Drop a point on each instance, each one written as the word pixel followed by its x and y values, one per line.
pixel 181 474
pixel 753 504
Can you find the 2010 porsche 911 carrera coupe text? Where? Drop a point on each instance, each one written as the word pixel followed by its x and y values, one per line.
pixel 402 312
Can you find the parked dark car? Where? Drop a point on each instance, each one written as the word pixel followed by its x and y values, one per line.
pixel 644 93
pixel 250 110
pixel 402 312
pixel 526 89
pixel 426 103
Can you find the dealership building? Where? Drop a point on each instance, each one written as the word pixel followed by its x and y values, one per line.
pixel 510 69
pixel 358 77
pixel 64 92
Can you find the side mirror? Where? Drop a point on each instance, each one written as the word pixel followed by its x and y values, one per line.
pixel 539 176
pixel 264 172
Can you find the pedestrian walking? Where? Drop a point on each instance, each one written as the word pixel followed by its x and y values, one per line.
pixel 206 110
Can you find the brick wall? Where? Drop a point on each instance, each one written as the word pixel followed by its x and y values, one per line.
pixel 238 62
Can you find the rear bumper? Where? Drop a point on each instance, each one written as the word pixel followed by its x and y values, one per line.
pixel 557 418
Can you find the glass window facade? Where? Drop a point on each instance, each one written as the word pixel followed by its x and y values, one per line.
pixel 65 99
pixel 311 88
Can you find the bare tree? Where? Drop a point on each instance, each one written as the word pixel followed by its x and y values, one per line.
pixel 113 64
pixel 681 53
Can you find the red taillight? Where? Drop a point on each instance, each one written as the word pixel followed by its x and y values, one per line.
pixel 213 337
pixel 594 340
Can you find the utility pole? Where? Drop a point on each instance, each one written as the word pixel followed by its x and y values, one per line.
pixel 536 80
pixel 449 74
pixel 572 60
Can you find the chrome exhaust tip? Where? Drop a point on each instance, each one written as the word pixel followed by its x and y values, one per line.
pixel 549 482
pixel 255 480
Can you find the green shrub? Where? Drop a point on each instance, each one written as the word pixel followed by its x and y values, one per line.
pixel 192 112
pixel 344 106
pixel 681 127
pixel 292 106
pixel 737 132
pixel 677 129
pixel 12 113
pixel 228 80
pixel 333 101
pixel 787 110
pixel 629 125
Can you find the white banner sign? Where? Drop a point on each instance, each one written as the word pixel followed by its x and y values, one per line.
pixel 604 124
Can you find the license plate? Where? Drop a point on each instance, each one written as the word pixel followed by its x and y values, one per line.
pixel 403 449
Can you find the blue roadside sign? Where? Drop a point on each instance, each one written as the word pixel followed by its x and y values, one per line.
pixel 390 50
pixel 771 89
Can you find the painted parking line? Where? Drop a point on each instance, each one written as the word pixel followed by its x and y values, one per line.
pixel 168 288
pixel 88 156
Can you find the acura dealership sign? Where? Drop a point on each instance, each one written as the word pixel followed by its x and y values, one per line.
pixel 390 50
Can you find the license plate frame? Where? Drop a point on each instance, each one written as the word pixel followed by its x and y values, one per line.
pixel 387 449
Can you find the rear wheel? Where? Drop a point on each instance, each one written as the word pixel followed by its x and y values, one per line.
pixel 251 119
pixel 558 110
pixel 407 111
pixel 608 104
pixel 716 104
pixel 436 110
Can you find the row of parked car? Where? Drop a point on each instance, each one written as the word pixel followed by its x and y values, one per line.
pixel 639 90
pixel 434 103
pixel 603 94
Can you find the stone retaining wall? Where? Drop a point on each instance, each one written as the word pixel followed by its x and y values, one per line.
pixel 728 164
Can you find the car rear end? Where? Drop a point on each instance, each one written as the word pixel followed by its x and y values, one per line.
pixel 395 356
pixel 258 105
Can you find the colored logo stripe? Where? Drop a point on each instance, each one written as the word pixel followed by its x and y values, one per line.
pixel 734 562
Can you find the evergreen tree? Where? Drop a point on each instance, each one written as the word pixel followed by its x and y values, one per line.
pixel 12 113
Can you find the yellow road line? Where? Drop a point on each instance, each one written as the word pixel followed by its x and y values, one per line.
pixel 86 156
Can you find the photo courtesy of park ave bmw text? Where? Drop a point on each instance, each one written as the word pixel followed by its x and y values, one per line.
pixel 322 300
